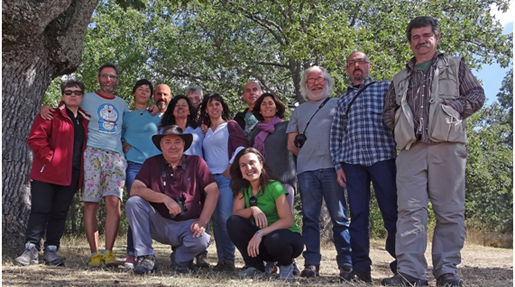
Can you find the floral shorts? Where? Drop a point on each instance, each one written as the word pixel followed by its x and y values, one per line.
pixel 104 174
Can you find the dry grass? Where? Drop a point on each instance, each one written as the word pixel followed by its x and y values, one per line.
pixel 482 266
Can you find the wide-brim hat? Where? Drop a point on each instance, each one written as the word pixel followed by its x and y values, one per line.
pixel 173 130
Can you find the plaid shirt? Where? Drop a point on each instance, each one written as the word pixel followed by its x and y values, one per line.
pixel 361 137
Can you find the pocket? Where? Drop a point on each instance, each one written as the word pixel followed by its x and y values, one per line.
pixel 448 126
pixel 404 131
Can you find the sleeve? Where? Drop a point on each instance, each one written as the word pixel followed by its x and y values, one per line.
pixel 276 189
pixel 236 138
pixel 38 140
pixel 204 175
pixel 336 136
pixel 472 95
pixel 144 172
pixel 292 124
pixel 390 107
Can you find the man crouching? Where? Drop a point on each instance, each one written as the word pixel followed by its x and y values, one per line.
pixel 168 203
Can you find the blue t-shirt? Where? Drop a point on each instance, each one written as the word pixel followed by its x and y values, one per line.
pixel 105 125
pixel 138 128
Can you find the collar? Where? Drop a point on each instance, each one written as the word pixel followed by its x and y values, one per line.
pixel 184 161
pixel 365 82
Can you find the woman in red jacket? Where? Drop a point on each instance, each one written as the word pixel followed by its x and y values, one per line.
pixel 56 173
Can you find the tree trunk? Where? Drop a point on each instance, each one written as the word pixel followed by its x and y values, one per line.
pixel 41 40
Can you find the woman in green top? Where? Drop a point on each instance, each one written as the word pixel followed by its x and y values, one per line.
pixel 261 226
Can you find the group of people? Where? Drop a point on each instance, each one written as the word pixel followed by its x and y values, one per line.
pixel 186 163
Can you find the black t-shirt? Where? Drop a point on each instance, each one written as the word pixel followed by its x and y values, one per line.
pixel 78 139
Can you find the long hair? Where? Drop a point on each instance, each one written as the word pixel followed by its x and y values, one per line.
pixel 169 119
pixel 304 85
pixel 239 183
pixel 204 117
pixel 279 106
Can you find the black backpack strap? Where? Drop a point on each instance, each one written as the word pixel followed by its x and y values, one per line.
pixel 356 96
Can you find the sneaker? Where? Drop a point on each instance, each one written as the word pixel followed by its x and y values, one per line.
pixel 286 272
pixel 225 266
pixel 202 262
pixel 296 270
pixel 448 279
pixel 146 264
pixel 95 260
pixel 251 272
pixel 29 256
pixel 109 259
pixel 345 273
pixel 271 268
pixel 401 279
pixel 50 256
pixel 310 271
pixel 129 262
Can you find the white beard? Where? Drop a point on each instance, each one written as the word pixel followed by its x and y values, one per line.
pixel 313 97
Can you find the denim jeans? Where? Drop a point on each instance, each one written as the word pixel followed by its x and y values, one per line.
pixel 313 186
pixel 382 175
pixel 130 175
pixel 224 246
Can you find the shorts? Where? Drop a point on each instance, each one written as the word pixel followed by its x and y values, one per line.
pixel 104 174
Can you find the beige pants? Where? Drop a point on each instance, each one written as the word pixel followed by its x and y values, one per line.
pixel 436 173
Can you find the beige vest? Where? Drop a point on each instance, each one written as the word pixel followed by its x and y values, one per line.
pixel 444 123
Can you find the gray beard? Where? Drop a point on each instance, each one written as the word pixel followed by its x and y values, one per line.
pixel 313 97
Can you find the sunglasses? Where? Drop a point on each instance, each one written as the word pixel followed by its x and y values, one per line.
pixel 253 201
pixel 69 93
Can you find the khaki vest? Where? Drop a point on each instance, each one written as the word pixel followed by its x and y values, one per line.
pixel 444 123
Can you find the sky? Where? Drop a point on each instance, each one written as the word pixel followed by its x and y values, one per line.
pixel 492 75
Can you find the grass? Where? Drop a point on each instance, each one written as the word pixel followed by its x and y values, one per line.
pixel 481 266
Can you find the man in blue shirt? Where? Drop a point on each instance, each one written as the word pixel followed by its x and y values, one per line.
pixel 363 151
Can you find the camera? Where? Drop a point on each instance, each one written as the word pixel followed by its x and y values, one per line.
pixel 300 139
pixel 181 201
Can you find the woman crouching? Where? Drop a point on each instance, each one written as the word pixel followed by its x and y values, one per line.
pixel 261 226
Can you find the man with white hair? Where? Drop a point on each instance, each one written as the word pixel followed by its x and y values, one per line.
pixel 308 138
pixel 195 95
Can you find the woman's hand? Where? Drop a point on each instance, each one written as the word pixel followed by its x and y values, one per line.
pixel 253 248
pixel 259 217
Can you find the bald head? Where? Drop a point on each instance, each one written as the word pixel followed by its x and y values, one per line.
pixel 162 96
pixel 358 67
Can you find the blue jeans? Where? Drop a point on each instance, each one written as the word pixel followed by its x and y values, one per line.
pixel 313 186
pixel 224 246
pixel 382 175
pixel 130 175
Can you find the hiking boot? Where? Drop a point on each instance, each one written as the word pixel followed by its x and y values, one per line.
pixel 345 273
pixel 146 264
pixel 296 270
pixel 202 262
pixel 50 256
pixel 129 262
pixel 359 276
pixel 225 266
pixel 183 268
pixel 401 279
pixel 309 271
pixel 251 272
pixel 109 259
pixel 95 261
pixel 448 279
pixel 271 267
pixel 29 256
pixel 286 272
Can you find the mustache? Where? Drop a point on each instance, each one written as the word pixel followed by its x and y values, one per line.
pixel 422 45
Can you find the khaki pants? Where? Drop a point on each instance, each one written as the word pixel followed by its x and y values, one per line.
pixel 436 173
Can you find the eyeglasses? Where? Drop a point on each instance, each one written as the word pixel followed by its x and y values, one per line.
pixel 358 61
pixel 69 93
pixel 318 80
pixel 253 201
pixel 105 76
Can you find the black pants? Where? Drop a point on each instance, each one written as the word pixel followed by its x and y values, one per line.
pixel 50 204
pixel 280 245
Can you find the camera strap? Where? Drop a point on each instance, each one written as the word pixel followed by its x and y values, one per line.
pixel 163 170
pixel 355 97
pixel 319 108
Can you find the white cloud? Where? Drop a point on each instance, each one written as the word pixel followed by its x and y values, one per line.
pixel 504 18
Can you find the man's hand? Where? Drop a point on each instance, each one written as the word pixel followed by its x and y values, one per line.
pixel 198 228
pixel 126 147
pixel 259 217
pixel 341 178
pixel 172 205
pixel 46 112
pixel 253 247
pixel 153 110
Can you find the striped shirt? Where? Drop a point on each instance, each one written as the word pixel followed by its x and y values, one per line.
pixel 472 96
pixel 361 137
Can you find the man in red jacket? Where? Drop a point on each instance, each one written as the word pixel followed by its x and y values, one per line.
pixel 57 172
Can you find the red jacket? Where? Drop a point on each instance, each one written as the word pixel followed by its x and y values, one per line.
pixel 52 144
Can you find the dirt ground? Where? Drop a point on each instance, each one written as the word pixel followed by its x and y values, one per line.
pixel 481 266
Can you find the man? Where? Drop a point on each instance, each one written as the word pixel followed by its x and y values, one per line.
pixel 195 95
pixel 172 200
pixel 363 151
pixel 246 119
pixel 162 97
pixel 426 105
pixel 316 172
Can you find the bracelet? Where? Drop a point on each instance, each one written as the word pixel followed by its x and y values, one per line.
pixel 259 234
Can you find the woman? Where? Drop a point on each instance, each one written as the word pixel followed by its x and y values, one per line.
pixel 56 173
pixel 138 128
pixel 182 113
pixel 262 226
pixel 222 141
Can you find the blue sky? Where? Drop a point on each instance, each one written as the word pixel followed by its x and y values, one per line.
pixel 492 75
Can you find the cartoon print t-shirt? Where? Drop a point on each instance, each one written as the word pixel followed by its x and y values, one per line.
pixel 105 125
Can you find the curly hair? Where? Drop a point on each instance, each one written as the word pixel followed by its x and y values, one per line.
pixel 169 119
